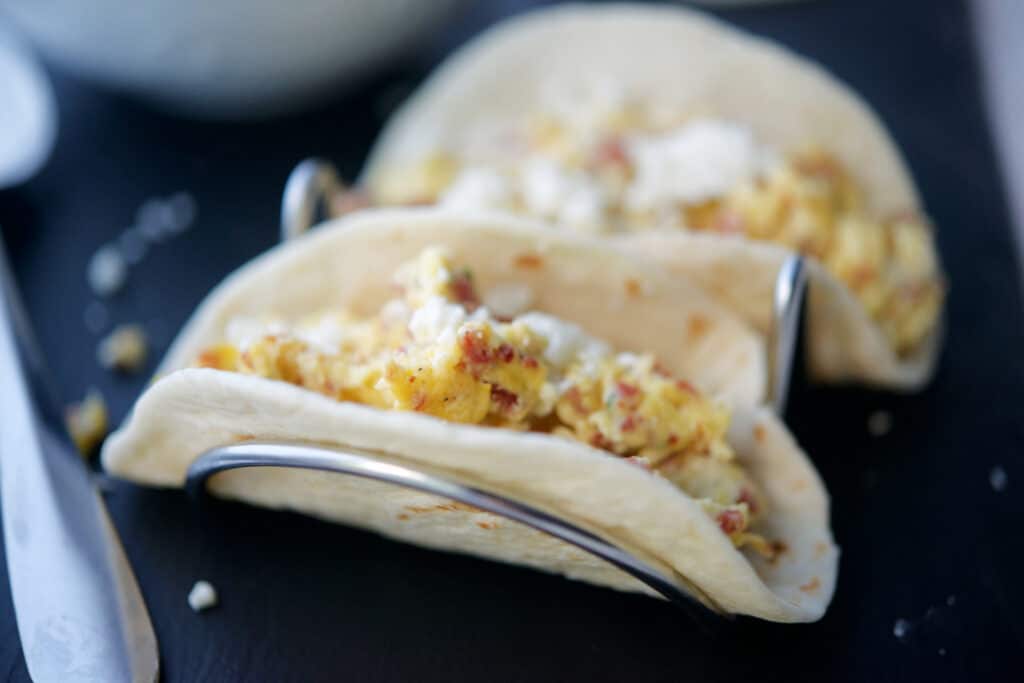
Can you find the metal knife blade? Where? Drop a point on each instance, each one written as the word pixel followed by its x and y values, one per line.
pixel 80 614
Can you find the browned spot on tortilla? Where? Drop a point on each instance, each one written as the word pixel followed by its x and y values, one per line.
pixel 529 260
pixel 451 506
pixel 759 433
pixel 485 525
pixel 811 586
pixel 696 327
pixel 403 516
pixel 820 548
pixel 798 485
pixel 244 437
pixel 778 549
pixel 633 287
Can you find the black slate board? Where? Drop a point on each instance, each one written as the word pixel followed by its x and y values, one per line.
pixel 925 538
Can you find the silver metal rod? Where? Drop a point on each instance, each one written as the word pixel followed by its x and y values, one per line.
pixel 370 466
pixel 310 186
pixel 790 286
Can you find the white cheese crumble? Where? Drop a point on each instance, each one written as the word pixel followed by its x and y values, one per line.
pixel 437 320
pixel 508 299
pixel 698 161
pixel 243 331
pixel 565 341
pixel 107 271
pixel 477 188
pixel 552 192
pixel 202 596
pixel 997 479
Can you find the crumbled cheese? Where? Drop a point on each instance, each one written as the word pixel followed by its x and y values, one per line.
pixel 477 188
pixel 133 246
pixel 437 320
pixel 182 206
pixel 699 161
pixel 202 596
pixel 901 628
pixel 86 422
pixel 124 349
pixel 997 479
pixel 565 341
pixel 879 423
pixel 553 192
pixel 243 331
pixel 107 271
pixel 325 334
pixel 508 299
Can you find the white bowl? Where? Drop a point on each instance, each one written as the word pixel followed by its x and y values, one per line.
pixel 225 58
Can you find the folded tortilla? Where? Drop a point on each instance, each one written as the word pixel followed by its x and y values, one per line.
pixel 628 303
pixel 688 62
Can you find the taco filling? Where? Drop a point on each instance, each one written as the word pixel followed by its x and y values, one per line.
pixel 437 350
pixel 618 165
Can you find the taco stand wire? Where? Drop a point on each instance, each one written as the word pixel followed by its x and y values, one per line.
pixel 376 466
pixel 307 193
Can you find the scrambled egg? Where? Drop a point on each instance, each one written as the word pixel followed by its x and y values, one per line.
pixel 437 351
pixel 622 166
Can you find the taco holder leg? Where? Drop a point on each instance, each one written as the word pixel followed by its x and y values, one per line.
pixel 367 465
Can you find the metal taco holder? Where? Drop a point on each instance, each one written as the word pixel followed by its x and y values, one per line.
pixel 308 195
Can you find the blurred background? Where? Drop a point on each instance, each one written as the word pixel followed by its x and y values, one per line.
pixel 144 147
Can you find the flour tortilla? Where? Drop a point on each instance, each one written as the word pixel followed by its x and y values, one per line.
pixel 688 60
pixel 190 410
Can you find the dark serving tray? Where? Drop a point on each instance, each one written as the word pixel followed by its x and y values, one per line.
pixel 925 537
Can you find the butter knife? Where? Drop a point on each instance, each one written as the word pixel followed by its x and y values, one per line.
pixel 80 614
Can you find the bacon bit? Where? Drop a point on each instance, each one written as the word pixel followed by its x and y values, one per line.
pixel 505 353
pixel 464 291
pixel 598 441
pixel 818 166
pixel 419 401
pixel 530 362
pixel 475 346
pixel 862 276
pixel 412 378
pixel 904 216
pixel 673 439
pixel 403 516
pixel 660 369
pixel 575 399
pixel 778 548
pixel 626 390
pixel 633 287
pixel 730 521
pixel 683 385
pixel 529 261
pixel 485 525
pixel 760 434
pixel 505 399
pixel 611 152
pixel 629 424
pixel 811 586
pixel 728 222
pixel 696 327
pixel 208 359
pixel 747 496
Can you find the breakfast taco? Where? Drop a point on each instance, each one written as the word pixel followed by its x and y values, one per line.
pixel 540 364
pixel 713 151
